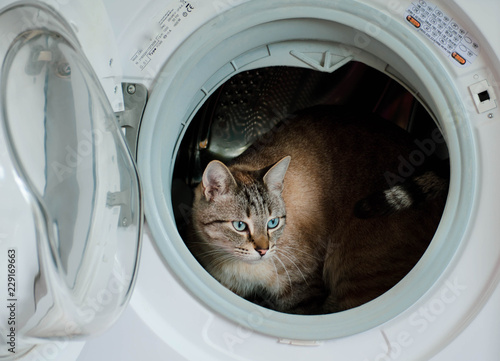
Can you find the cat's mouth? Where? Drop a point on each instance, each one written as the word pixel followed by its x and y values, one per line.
pixel 253 257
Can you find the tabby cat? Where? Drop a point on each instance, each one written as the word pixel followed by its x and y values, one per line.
pixel 305 222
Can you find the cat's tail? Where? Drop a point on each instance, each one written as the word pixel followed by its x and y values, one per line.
pixel 414 191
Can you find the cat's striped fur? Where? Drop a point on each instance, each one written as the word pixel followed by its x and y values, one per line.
pixel 311 175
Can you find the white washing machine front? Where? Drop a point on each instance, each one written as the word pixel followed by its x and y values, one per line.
pixel 435 302
pixel 181 52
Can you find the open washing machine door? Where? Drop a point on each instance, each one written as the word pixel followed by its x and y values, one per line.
pixel 71 212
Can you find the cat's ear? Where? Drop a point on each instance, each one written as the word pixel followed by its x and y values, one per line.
pixel 275 176
pixel 217 180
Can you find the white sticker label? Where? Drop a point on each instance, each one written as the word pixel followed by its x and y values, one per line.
pixel 444 32
pixel 168 22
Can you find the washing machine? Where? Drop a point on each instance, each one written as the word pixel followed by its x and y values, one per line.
pixel 100 97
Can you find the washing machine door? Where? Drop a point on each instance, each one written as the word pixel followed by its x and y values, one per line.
pixel 70 209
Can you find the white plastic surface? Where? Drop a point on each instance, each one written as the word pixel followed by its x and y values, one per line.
pixel 479 341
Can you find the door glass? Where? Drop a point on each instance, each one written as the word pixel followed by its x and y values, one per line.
pixel 82 186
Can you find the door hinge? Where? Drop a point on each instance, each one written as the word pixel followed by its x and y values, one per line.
pixel 135 97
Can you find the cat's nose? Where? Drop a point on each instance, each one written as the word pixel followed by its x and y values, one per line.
pixel 262 251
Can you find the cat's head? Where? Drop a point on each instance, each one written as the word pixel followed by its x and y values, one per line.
pixel 240 213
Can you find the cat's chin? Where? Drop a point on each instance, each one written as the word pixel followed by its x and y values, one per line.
pixel 255 260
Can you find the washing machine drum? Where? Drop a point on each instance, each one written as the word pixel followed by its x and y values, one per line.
pixel 71 214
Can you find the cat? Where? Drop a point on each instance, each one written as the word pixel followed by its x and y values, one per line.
pixel 304 222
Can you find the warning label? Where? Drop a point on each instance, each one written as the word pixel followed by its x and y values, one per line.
pixel 168 21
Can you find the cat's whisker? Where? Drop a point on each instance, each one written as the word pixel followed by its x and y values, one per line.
pixel 211 253
pixel 284 267
pixel 210 250
pixel 307 254
pixel 298 269
pixel 203 243
pixel 219 264
pixel 277 274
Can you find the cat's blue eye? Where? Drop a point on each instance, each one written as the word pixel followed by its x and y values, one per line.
pixel 240 226
pixel 273 223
